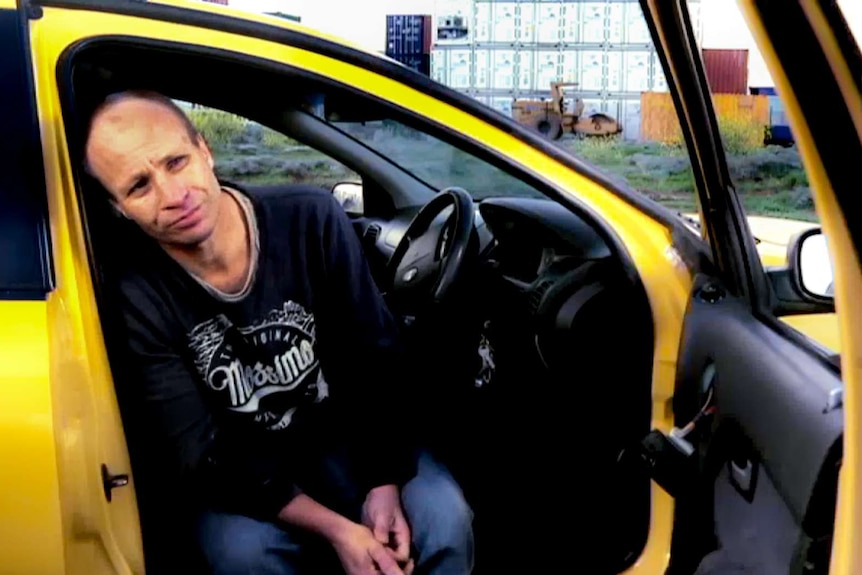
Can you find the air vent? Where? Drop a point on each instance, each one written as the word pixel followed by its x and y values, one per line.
pixel 372 232
pixel 538 293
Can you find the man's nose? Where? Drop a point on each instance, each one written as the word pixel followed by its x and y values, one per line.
pixel 173 192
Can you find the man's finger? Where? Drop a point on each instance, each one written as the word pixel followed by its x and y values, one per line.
pixel 385 562
pixel 381 532
pixel 408 568
pixel 401 539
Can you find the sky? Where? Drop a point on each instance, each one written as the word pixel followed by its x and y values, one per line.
pixel 364 23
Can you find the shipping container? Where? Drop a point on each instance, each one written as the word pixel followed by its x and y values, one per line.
pixel 631 118
pixel 481 24
pixel 502 69
pixel 548 20
pixel 547 68
pixel 726 70
pixel 636 71
pixel 452 68
pixel 503 22
pixel 517 48
pixel 408 34
pixel 503 105
pixel 594 22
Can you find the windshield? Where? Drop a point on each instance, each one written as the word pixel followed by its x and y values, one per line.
pixel 437 163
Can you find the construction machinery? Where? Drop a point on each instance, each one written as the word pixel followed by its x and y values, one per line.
pixel 558 115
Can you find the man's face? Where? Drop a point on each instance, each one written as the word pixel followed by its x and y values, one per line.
pixel 157 176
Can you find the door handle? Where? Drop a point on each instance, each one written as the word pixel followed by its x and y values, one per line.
pixel 111 482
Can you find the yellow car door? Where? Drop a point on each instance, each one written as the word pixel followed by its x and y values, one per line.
pixel 779 475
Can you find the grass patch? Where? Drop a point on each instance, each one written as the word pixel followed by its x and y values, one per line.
pixel 770 181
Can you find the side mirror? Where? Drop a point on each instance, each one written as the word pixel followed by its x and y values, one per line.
pixel 811 265
pixel 349 195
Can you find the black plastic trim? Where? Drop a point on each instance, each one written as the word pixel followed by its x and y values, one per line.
pixel 378 65
pixel 26 270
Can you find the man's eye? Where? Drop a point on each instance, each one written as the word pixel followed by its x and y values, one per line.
pixel 138 186
pixel 177 162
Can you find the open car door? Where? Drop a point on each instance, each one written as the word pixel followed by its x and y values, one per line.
pixel 756 482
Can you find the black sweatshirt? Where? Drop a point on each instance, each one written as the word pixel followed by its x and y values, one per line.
pixel 242 394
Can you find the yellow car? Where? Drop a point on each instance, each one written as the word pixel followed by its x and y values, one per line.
pixel 616 392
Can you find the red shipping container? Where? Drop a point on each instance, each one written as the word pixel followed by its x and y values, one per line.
pixel 726 70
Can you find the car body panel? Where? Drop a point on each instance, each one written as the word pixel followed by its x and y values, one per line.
pixel 31 530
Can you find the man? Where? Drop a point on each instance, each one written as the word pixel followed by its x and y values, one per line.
pixel 268 364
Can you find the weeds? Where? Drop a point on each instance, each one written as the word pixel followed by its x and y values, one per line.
pixel 217 127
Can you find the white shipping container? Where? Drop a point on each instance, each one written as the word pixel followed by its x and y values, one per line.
pixel 637 31
pixel 570 23
pixel 459 68
pixel 591 71
pixel 571 71
pixel 440 66
pixel 525 80
pixel 504 105
pixel 526 23
pixel 548 23
pixel 636 75
pixel 616 23
pixel 631 118
pixel 482 68
pixel 592 19
pixel 612 108
pixel 503 15
pixel 481 26
pixel 503 69
pixel 614 72
pixel 547 69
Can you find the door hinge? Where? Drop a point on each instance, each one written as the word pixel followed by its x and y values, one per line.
pixel 111 482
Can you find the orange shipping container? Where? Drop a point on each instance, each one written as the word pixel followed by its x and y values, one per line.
pixel 659 122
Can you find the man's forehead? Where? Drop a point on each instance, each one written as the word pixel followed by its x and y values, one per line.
pixel 137 115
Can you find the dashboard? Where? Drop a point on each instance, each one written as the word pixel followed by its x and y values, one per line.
pixel 525 235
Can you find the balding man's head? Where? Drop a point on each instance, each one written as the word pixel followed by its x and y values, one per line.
pixel 156 166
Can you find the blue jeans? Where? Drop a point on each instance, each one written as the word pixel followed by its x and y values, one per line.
pixel 440 521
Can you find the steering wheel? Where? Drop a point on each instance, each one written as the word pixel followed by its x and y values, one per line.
pixel 427 263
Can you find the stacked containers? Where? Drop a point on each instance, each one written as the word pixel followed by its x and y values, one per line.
pixel 515 49
pixel 408 40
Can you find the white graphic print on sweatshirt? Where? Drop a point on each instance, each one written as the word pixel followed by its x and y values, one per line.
pixel 266 370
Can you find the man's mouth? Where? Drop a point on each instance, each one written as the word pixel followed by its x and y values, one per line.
pixel 188 219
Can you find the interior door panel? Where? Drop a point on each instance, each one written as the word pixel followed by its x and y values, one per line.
pixel 774 429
